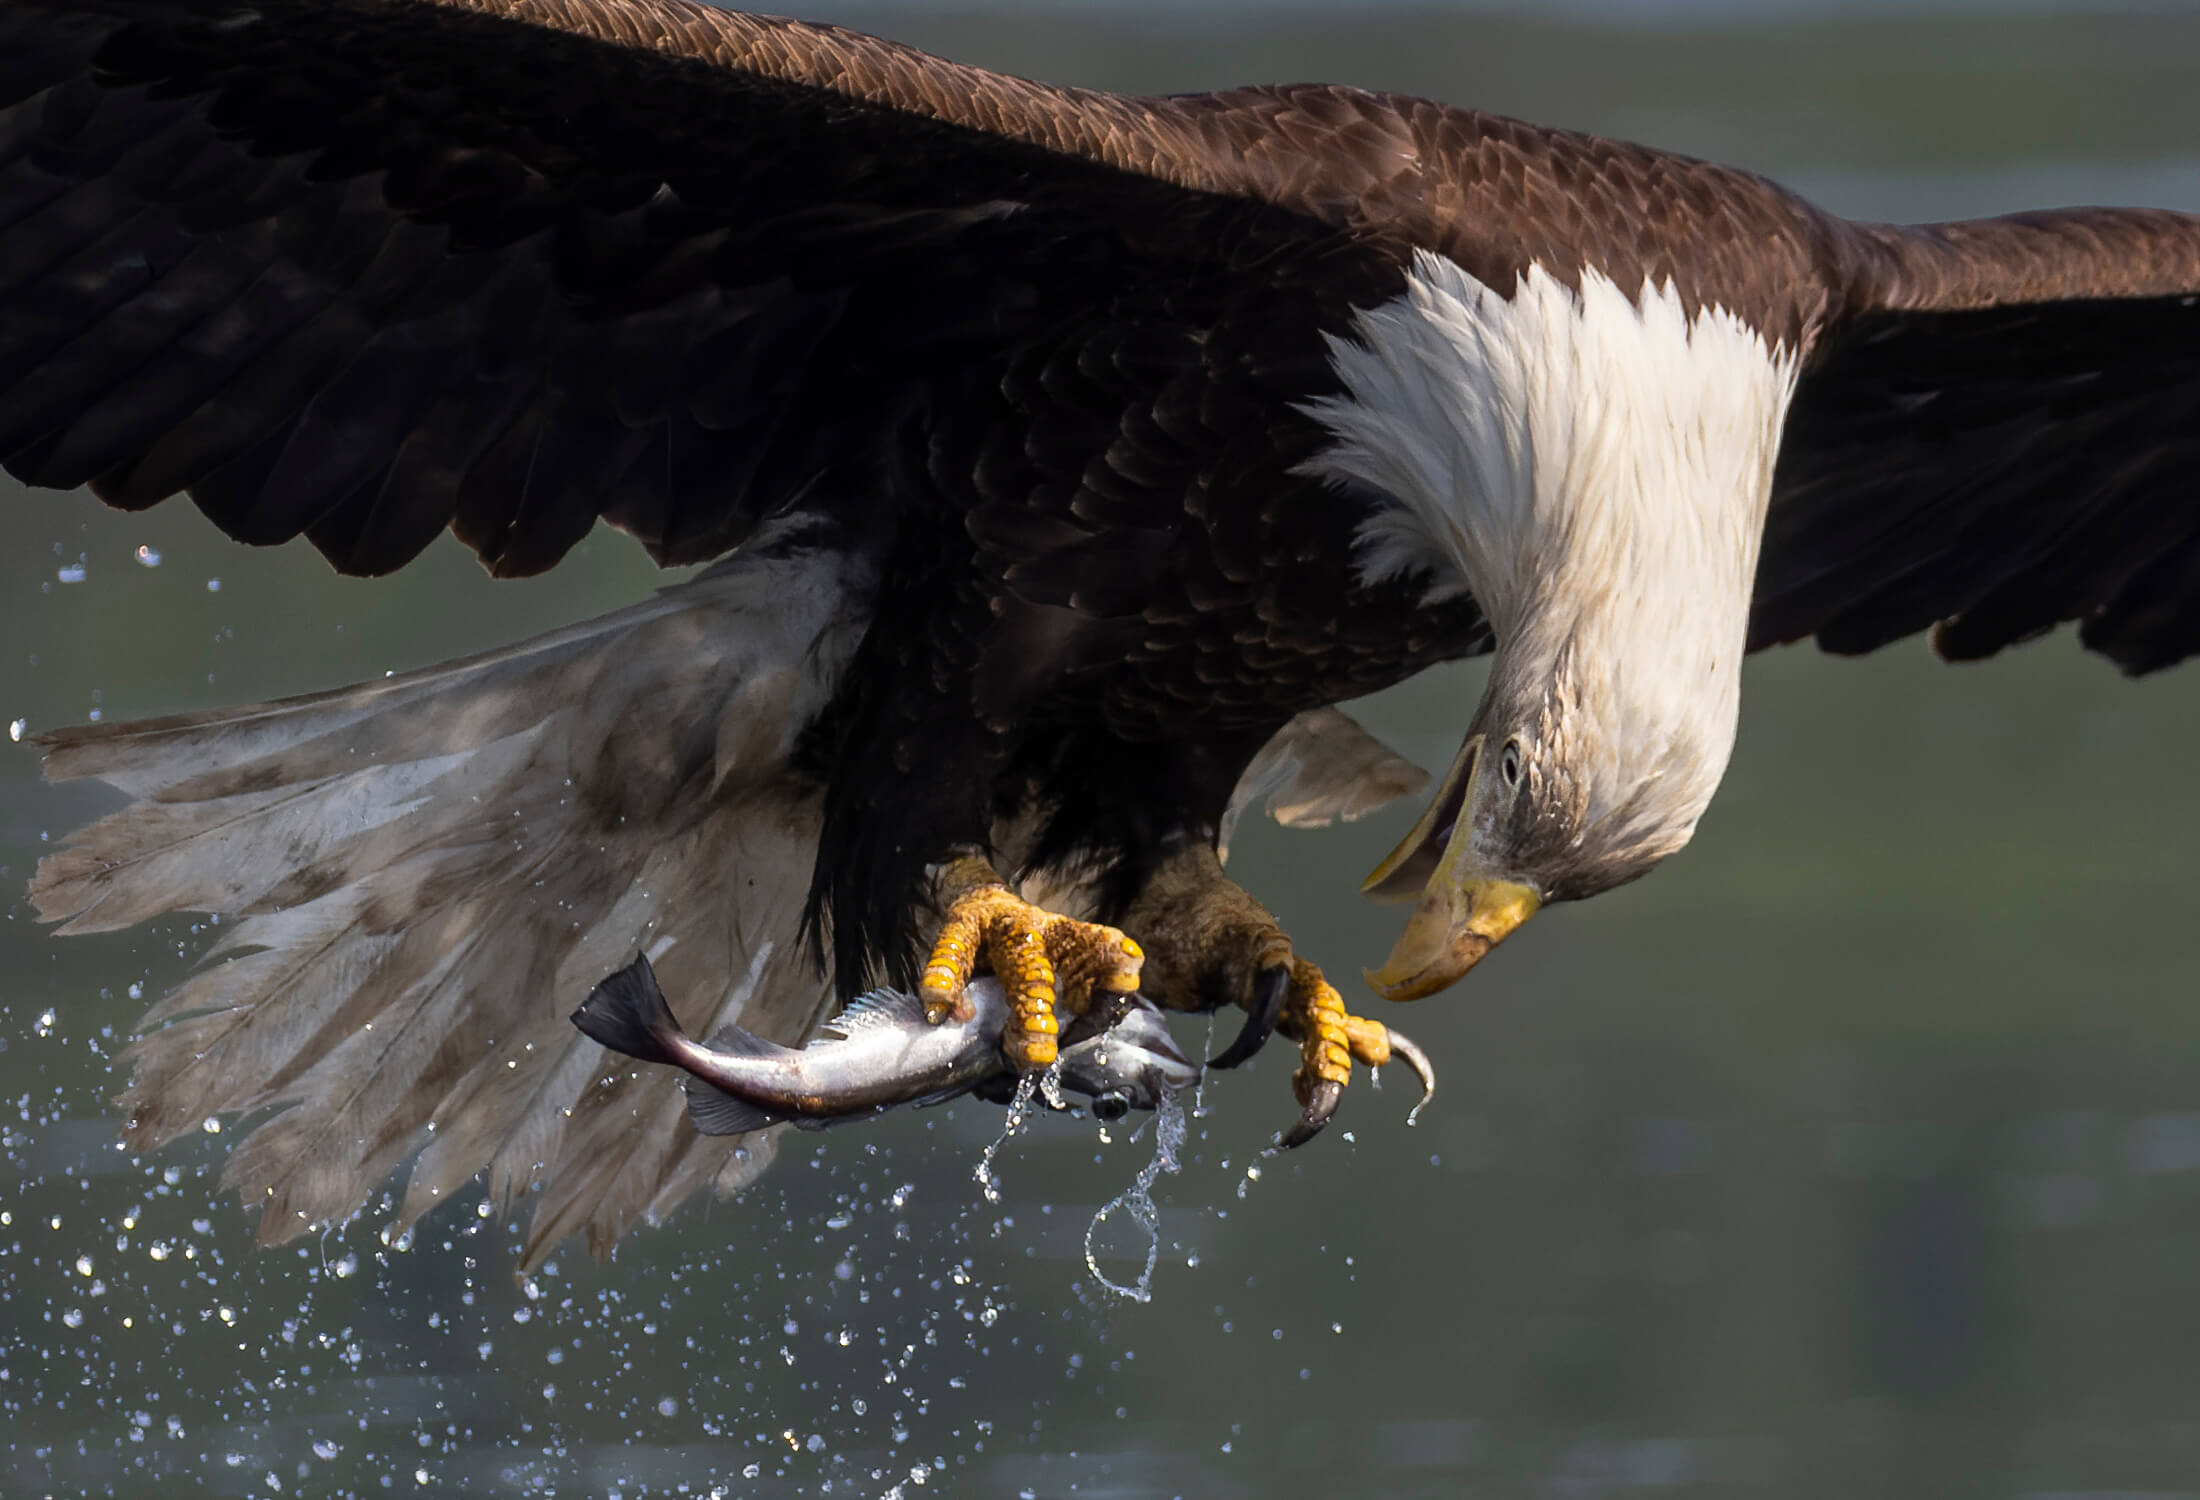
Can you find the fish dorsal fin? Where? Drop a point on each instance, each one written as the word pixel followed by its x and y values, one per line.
pixel 733 1039
pixel 878 1008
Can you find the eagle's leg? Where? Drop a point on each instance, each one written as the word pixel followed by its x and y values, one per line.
pixel 1043 960
pixel 1210 944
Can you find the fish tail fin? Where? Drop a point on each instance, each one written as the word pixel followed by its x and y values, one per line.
pixel 627 1013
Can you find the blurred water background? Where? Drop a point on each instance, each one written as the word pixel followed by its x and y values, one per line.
pixel 1857 1152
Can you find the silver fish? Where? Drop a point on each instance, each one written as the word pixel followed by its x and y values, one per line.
pixel 880 1052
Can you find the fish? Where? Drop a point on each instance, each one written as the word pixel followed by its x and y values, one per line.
pixel 880 1053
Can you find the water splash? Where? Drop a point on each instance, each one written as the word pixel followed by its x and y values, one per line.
pixel 1019 1111
pixel 1137 1201
pixel 1199 1088
pixel 1050 1085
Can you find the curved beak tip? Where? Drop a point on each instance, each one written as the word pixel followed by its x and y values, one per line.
pixel 1404 979
pixel 1448 934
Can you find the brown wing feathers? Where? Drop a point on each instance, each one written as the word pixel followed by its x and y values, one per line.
pixel 361 272
pixel 2051 255
pixel 2001 435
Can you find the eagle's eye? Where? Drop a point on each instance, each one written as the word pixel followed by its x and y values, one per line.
pixel 1508 763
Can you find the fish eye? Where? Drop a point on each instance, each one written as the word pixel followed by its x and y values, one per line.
pixel 1110 1107
pixel 1508 763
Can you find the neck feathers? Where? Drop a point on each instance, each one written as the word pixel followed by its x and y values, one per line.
pixel 1593 468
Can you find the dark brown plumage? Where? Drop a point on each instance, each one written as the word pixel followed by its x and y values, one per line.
pixel 540 313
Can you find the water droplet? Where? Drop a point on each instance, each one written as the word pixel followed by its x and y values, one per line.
pixel 1252 1175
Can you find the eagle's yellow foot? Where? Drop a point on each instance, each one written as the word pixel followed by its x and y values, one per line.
pixel 1330 1041
pixel 1045 962
pixel 1214 945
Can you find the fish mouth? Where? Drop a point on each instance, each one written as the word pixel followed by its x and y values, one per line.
pixel 1143 1087
pixel 1131 1064
pixel 1170 1073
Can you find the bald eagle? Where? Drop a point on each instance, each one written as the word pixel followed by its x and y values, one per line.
pixel 1062 459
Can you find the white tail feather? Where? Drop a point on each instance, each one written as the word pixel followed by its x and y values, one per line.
pixel 428 872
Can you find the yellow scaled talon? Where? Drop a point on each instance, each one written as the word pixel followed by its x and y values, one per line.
pixel 1325 1050
pixel 1330 1041
pixel 1042 960
pixel 1369 1041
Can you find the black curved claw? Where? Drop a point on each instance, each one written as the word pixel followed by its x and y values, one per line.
pixel 1270 986
pixel 1317 1113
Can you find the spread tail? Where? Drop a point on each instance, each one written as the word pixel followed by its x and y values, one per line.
pixel 419 873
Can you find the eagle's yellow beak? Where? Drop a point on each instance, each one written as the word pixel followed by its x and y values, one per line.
pixel 1464 911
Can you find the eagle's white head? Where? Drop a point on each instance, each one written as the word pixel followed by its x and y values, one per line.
pixel 1593 468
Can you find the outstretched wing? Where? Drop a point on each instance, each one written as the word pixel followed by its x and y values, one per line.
pixel 1998 434
pixel 361 269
